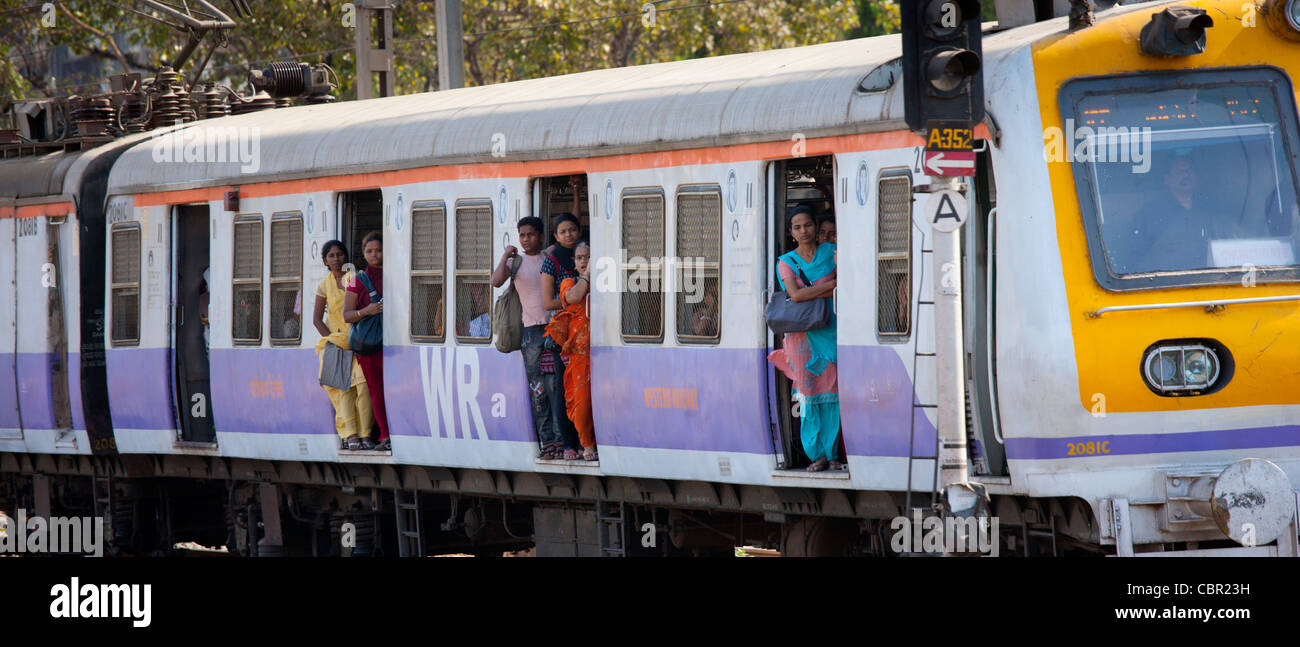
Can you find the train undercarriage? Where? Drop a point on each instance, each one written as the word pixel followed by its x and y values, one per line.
pixel 213 506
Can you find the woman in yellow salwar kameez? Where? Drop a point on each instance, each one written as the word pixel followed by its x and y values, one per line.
pixel 352 414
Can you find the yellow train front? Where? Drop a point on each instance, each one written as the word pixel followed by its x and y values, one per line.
pixel 1147 302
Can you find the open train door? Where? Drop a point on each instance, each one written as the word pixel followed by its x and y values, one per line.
pixel 979 262
pixel 803 181
pixel 190 338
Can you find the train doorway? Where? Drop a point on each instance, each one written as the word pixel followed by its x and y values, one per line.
pixel 192 332
pixel 979 262
pixel 561 194
pixel 793 183
pixel 361 212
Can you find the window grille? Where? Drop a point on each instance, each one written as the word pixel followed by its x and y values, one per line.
pixel 643 296
pixel 126 284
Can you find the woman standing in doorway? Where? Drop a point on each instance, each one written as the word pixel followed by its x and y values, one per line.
pixel 358 304
pixel 571 329
pixel 352 415
pixel 808 358
pixel 557 266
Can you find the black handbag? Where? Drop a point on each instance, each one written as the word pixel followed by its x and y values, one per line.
pixel 784 315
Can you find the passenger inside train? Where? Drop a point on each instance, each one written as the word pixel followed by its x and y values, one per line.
pixel 357 304
pixel 826 228
pixel 1167 210
pixel 704 319
pixel 478 323
pixel 340 373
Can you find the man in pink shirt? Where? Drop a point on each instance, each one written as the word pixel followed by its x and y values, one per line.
pixel 548 411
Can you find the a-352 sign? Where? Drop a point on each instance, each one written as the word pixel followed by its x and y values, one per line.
pixel 949 149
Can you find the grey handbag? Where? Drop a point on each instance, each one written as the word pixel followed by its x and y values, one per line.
pixel 508 326
pixel 784 315
pixel 336 367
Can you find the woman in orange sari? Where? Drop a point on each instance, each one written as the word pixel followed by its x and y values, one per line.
pixel 571 329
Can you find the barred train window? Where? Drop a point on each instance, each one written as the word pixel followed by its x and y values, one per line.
pixel 126 284
pixel 474 270
pixel 643 238
pixel 894 256
pixel 246 327
pixel 699 246
pixel 428 271
pixel 286 278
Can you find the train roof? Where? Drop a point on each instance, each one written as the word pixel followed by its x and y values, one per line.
pixel 741 98
pixel 699 102
pixel 35 176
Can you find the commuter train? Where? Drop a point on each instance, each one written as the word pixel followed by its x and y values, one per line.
pixel 1119 369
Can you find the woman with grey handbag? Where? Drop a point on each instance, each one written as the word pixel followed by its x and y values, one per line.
pixel 808 358
pixel 340 373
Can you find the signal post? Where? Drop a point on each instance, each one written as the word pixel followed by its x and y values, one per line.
pixel 943 94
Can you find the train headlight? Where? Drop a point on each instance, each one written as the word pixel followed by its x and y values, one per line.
pixel 1197 365
pixel 1177 368
pixel 1283 17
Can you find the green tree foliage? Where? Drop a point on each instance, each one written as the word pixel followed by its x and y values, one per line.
pixel 505 40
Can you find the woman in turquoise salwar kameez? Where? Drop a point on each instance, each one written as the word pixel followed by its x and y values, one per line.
pixel 808 358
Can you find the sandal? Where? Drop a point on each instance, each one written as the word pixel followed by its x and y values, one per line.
pixel 385 446
pixel 836 466
pixel 818 465
pixel 353 443
pixel 589 454
pixel 570 455
pixel 551 452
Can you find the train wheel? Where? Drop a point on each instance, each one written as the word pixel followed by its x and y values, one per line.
pixel 820 537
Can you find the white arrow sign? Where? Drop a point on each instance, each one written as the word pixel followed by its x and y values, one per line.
pixel 936 163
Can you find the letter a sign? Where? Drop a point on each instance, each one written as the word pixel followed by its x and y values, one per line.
pixel 946 211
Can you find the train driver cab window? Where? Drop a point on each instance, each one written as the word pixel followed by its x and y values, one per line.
pixel 286 278
pixel 428 263
pixel 1185 178
pixel 126 284
pixel 474 271
pixel 894 255
pixel 246 292
pixel 643 237
pixel 699 250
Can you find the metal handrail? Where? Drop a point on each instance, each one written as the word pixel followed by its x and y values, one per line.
pixel 989 290
pixel 1210 306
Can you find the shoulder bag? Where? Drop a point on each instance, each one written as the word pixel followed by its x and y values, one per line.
pixel 508 325
pixel 784 315
pixel 367 335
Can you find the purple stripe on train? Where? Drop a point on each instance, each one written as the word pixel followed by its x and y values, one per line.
pixel 468 392
pixel 35 372
pixel 8 393
pixel 876 398
pixel 702 399
pixel 74 391
pixel 1158 443
pixel 138 389
pixel 269 390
